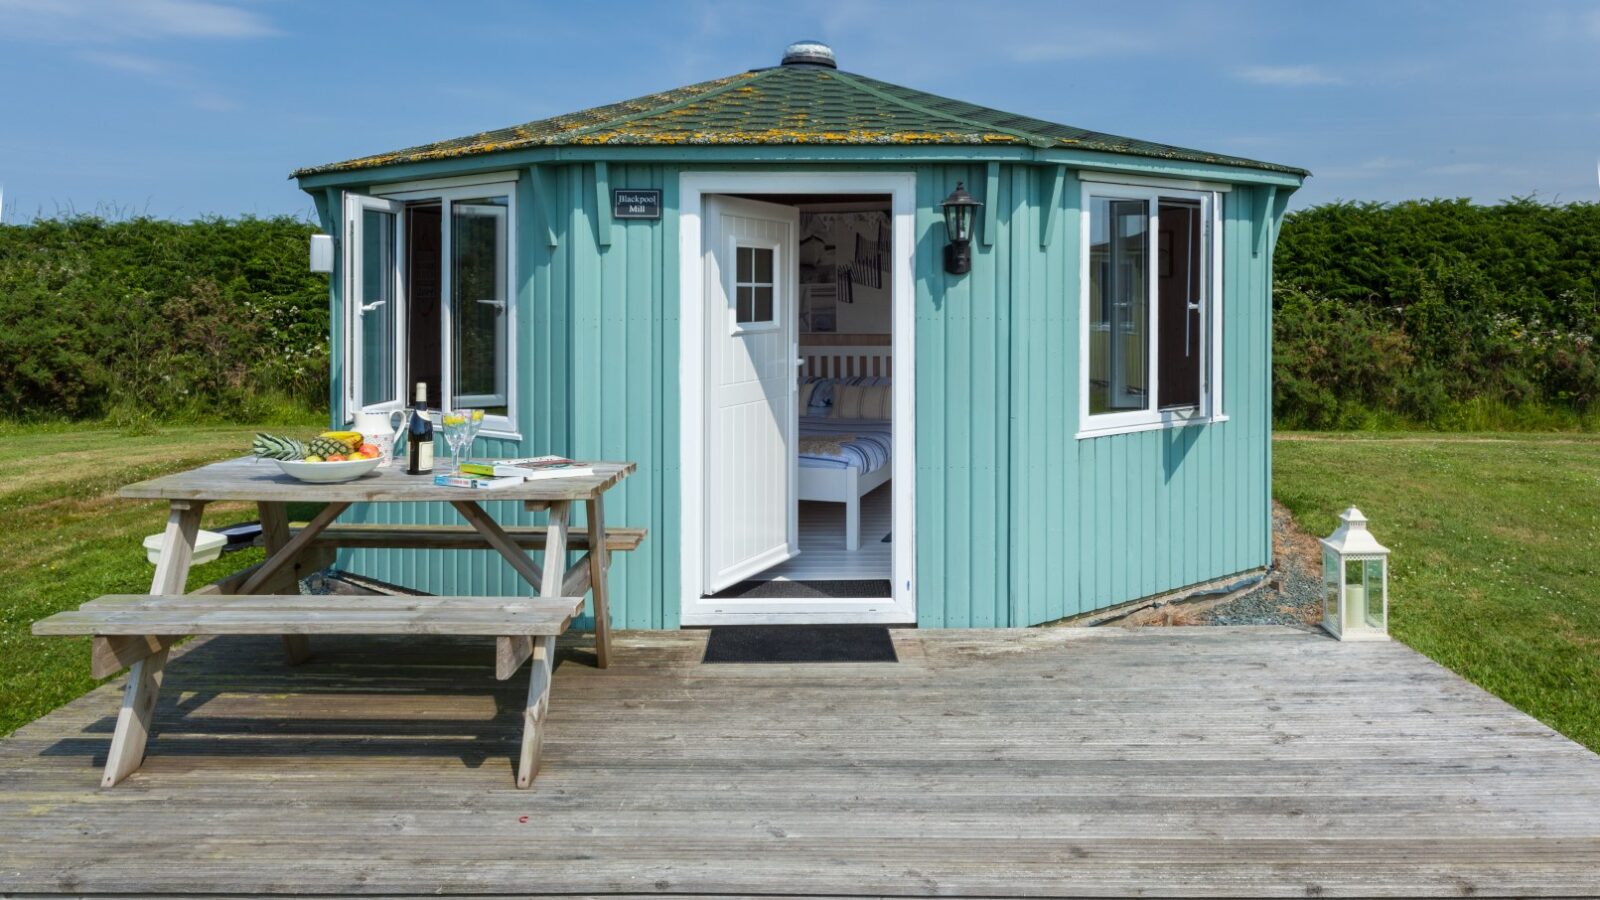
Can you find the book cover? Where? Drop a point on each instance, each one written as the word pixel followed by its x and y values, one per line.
pixel 530 468
pixel 476 482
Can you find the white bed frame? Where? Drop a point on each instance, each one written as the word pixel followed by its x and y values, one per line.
pixel 846 485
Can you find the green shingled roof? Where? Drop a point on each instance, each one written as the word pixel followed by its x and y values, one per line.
pixel 790 104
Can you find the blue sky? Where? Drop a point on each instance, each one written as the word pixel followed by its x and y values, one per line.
pixel 180 108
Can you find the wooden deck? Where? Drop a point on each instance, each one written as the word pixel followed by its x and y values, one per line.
pixel 1044 762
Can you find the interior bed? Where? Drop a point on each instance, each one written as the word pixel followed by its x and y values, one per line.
pixel 841 460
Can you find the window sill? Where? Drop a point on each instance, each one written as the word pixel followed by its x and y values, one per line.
pixel 501 435
pixel 1087 433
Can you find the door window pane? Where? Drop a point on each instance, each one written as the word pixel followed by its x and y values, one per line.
pixel 376 315
pixel 754 290
pixel 479 304
pixel 1118 309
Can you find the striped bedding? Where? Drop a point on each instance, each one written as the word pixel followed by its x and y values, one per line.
pixel 868 451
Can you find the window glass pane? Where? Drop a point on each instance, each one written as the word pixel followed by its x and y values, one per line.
pixel 1181 303
pixel 1374 582
pixel 746 265
pixel 763 258
pixel 1355 594
pixel 744 304
pixel 763 304
pixel 377 312
pixel 1330 587
pixel 479 304
pixel 1119 306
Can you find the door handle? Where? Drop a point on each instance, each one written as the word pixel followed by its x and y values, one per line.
pixel 369 307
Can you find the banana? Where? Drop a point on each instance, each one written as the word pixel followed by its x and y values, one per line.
pixel 351 439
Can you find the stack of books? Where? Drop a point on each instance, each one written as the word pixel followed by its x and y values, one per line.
pixel 498 473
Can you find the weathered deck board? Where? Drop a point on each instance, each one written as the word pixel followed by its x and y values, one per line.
pixel 1047 763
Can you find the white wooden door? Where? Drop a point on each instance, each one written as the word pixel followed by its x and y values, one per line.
pixel 751 520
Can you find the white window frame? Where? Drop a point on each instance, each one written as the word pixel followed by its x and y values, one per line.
pixel 502 377
pixel 446 192
pixel 1152 417
pixel 754 326
pixel 354 206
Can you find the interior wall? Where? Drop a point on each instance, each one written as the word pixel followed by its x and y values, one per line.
pixel 845 276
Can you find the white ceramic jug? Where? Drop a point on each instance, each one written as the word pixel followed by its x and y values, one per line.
pixel 379 428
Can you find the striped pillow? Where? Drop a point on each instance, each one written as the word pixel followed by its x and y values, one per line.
pixel 863 402
pixel 806 393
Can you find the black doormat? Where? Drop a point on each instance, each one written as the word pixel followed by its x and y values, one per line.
pixel 799 644
pixel 789 590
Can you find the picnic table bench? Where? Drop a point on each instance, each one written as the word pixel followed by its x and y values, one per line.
pixel 137 630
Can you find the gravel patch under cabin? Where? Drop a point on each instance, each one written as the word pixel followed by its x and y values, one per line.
pixel 1292 592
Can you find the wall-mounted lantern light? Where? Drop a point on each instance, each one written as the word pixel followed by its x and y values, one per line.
pixel 960 211
pixel 322 253
pixel 1355 581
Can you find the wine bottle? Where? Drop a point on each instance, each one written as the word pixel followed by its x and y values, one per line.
pixel 419 436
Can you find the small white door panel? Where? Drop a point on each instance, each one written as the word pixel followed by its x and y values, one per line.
pixel 751 520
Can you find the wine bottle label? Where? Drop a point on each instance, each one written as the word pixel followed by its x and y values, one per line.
pixel 425 456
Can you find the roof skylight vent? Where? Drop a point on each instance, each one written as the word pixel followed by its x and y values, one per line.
pixel 809 53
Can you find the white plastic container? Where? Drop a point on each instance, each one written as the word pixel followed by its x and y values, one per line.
pixel 207 546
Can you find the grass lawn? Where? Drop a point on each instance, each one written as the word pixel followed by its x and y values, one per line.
pixel 1496 540
pixel 69 539
pixel 1495 571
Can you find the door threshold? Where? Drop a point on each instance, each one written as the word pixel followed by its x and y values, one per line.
pixel 786 589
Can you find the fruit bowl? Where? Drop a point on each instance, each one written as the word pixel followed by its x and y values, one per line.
pixel 327 472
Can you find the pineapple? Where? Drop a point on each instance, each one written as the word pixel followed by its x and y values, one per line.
pixel 326 447
pixel 351 439
pixel 271 446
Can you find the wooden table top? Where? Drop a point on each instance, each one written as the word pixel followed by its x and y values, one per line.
pixel 248 478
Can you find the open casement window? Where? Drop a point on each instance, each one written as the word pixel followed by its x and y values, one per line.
pixel 479 306
pixel 1150 287
pixel 372 304
pixel 433 272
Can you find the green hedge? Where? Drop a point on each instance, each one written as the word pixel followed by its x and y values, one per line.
pixel 1435 313
pixel 1438 313
pixel 146 319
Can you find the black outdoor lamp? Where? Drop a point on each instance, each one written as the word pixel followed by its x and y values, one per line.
pixel 959 212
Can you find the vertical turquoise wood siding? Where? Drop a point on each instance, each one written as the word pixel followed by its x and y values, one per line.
pixel 1018 521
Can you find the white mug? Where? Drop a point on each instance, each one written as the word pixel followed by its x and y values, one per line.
pixel 379 428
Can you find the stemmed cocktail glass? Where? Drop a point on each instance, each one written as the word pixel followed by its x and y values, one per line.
pixel 455 434
pixel 474 425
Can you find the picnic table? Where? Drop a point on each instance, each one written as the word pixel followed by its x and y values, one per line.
pixel 137 631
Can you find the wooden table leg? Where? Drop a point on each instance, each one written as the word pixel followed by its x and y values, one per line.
pixel 538 705
pixel 280 572
pixel 544 648
pixel 599 564
pixel 144 677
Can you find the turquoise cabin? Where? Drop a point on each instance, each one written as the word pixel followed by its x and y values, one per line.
pixel 880 355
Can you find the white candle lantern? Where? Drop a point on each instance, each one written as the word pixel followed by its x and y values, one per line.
pixel 1355 581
